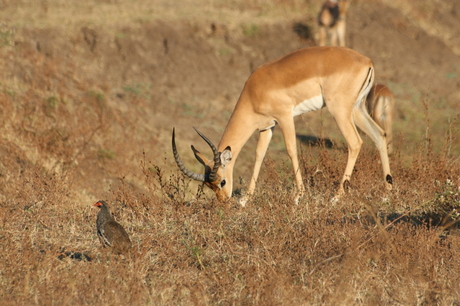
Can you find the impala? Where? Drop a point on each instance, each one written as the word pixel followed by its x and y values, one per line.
pixel 332 22
pixel 380 104
pixel 302 81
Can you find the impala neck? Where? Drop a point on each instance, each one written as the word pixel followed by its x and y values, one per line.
pixel 239 128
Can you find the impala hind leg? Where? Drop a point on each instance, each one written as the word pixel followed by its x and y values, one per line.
pixel 387 121
pixel 262 146
pixel 348 129
pixel 378 136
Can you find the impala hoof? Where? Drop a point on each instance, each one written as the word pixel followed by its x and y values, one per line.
pixel 298 196
pixel 243 200
pixel 336 198
pixel 340 192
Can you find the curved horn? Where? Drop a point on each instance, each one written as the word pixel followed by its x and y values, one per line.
pixel 180 164
pixel 217 163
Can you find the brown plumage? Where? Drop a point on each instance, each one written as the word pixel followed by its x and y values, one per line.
pixel 110 232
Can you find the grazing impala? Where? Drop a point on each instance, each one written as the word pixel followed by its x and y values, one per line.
pixel 380 104
pixel 332 22
pixel 302 81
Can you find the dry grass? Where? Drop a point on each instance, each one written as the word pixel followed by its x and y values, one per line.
pixel 77 125
pixel 119 13
pixel 370 248
pixel 426 14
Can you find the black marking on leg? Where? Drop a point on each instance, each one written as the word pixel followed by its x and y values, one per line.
pixel 389 179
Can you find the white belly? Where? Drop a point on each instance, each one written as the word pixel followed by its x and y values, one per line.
pixel 309 105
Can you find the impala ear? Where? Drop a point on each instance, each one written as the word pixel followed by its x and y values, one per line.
pixel 226 156
pixel 200 157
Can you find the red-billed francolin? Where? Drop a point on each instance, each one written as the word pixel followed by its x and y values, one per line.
pixel 110 232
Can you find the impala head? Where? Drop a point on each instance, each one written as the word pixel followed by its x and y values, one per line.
pixel 216 176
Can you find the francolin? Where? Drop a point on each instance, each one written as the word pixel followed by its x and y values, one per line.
pixel 110 232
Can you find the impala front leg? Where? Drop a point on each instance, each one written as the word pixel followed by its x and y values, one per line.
pixel 288 129
pixel 262 145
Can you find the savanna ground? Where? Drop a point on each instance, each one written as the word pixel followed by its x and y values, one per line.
pixel 90 91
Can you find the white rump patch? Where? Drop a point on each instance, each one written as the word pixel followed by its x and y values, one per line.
pixel 309 105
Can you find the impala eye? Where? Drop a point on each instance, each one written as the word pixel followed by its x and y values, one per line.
pixel 222 183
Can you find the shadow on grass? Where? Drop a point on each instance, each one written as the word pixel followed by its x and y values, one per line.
pixel 448 221
pixel 303 30
pixel 315 141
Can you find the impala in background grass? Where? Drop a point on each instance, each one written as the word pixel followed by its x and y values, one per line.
pixel 380 104
pixel 304 80
pixel 332 22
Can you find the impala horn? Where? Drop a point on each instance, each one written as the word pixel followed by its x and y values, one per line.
pixel 180 164
pixel 216 153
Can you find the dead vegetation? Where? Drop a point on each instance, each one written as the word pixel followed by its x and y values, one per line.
pixel 371 247
pixel 87 111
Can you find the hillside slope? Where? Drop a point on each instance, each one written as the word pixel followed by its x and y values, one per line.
pixel 93 97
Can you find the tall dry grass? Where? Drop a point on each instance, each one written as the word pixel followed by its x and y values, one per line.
pixel 371 247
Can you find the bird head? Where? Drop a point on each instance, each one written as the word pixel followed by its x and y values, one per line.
pixel 100 203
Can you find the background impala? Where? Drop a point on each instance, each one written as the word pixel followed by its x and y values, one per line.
pixel 332 20
pixel 380 104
